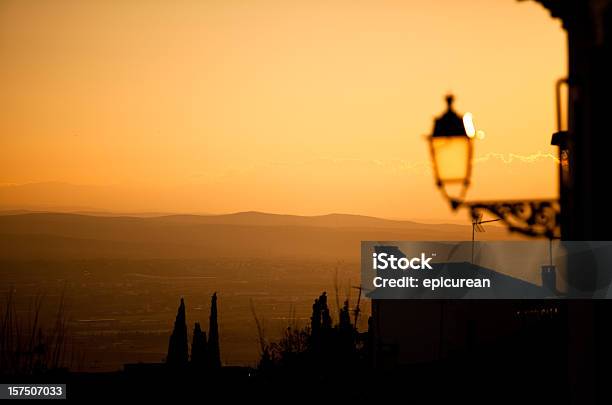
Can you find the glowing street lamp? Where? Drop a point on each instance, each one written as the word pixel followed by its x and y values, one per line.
pixel 451 147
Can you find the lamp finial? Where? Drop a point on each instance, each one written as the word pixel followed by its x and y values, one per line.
pixel 449 100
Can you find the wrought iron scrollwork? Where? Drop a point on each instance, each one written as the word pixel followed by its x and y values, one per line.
pixel 538 218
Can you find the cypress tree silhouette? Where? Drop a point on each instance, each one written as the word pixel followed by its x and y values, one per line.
pixel 320 324
pixel 320 318
pixel 370 342
pixel 326 321
pixel 214 352
pixel 345 317
pixel 315 319
pixel 346 335
pixel 198 347
pixel 178 354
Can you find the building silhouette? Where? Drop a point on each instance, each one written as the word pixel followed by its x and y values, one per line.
pixel 587 142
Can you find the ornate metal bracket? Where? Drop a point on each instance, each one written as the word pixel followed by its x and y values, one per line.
pixel 537 218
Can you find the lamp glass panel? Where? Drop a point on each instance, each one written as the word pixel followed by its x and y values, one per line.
pixel 451 156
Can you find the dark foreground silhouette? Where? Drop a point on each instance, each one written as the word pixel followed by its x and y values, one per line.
pixel 325 361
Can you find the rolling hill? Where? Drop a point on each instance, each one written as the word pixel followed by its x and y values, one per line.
pixel 62 236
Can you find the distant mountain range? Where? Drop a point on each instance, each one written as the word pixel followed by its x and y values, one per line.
pixel 64 236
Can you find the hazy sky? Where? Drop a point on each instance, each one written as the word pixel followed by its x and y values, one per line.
pixel 304 107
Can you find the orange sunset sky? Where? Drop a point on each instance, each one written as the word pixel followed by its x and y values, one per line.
pixel 297 107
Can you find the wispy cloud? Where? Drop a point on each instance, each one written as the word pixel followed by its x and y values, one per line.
pixel 512 157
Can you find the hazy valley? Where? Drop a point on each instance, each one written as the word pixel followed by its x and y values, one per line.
pixel 123 276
